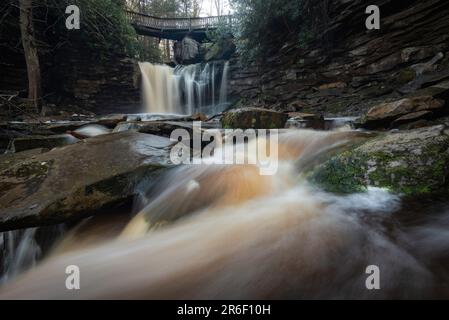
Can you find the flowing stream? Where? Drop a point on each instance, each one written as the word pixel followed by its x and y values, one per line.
pixel 227 232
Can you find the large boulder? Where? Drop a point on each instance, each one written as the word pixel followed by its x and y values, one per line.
pixel 79 180
pixel 254 118
pixel 187 51
pixel 111 120
pixel 385 114
pixel 409 162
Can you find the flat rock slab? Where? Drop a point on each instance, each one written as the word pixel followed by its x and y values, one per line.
pixel 10 159
pixel 112 120
pixel 49 142
pixel 79 180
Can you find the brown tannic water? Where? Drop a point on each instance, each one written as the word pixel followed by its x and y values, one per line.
pixel 227 232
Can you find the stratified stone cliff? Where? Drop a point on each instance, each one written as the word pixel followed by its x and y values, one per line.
pixel 357 68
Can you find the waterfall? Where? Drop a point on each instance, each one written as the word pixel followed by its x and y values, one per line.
pixel 224 84
pixel 184 89
pixel 21 249
pixel 213 84
pixel 160 88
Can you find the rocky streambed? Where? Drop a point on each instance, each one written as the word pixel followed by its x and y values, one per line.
pixel 85 178
pixel 69 170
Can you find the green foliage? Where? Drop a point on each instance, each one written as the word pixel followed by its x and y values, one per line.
pixel 150 50
pixel 223 31
pixel 260 20
pixel 263 24
pixel 105 28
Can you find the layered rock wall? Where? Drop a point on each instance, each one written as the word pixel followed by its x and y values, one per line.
pixel 109 85
pixel 357 68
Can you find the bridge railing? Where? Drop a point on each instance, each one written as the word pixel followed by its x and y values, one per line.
pixel 144 20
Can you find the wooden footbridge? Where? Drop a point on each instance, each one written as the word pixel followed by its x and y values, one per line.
pixel 176 28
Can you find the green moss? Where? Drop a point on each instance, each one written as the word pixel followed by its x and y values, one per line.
pixel 340 175
pixel 396 169
pixel 406 75
pixel 34 173
pixel 29 169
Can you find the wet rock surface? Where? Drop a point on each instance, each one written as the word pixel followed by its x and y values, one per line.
pixel 10 159
pixel 254 118
pixel 78 180
pixel 410 162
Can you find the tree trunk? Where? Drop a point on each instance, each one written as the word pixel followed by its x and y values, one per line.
pixel 31 55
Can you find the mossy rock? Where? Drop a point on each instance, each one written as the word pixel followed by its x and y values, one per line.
pixel 254 118
pixel 410 162
pixel 10 159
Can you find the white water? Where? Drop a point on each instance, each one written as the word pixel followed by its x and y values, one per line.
pixel 224 85
pixel 21 252
pixel 227 232
pixel 160 89
pixel 92 130
pixel 184 89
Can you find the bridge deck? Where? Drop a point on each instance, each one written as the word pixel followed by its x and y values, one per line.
pixel 176 28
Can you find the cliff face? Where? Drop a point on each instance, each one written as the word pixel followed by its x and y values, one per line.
pixel 357 68
pixel 103 86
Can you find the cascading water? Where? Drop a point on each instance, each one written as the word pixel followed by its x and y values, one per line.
pixel 185 89
pixel 160 89
pixel 22 249
pixel 224 85
pixel 226 232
